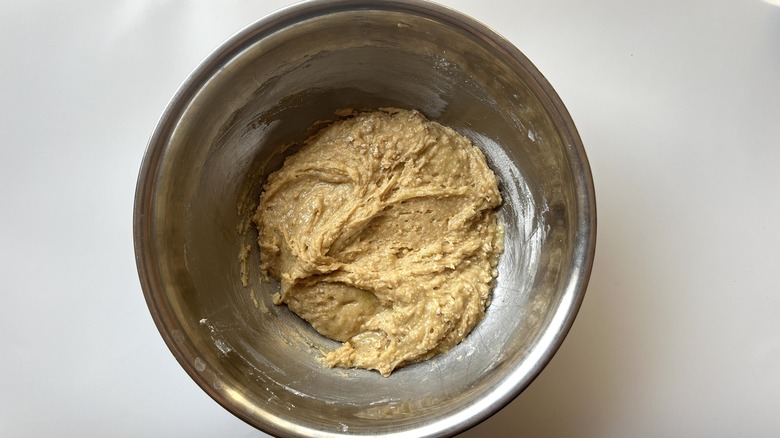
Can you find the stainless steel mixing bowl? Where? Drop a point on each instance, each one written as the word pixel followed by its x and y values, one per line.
pixel 224 131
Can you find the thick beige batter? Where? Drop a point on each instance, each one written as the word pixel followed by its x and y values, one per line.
pixel 384 235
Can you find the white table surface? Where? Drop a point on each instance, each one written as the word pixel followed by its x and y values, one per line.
pixel 678 105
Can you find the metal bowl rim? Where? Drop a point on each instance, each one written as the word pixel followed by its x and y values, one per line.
pixel 159 308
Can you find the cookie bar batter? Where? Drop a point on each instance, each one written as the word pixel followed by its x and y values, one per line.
pixel 384 235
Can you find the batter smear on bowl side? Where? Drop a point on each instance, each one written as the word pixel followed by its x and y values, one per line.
pixel 383 232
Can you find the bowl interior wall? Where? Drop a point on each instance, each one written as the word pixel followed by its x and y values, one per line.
pixel 235 130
